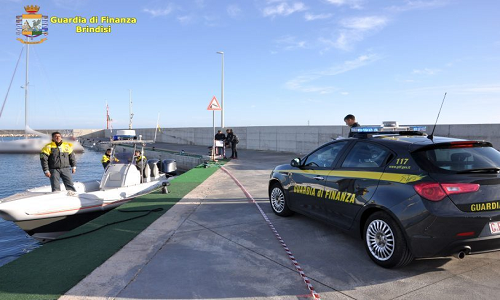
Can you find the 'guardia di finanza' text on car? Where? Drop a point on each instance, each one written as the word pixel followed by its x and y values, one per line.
pixel 407 195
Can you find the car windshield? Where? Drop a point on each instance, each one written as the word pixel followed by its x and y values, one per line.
pixel 461 159
pixel 325 156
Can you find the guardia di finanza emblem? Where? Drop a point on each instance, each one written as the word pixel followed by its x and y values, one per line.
pixel 32 25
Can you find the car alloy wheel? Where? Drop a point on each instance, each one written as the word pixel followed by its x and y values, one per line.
pixel 385 242
pixel 380 240
pixel 278 201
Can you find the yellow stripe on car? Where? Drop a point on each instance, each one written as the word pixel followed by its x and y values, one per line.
pixel 394 177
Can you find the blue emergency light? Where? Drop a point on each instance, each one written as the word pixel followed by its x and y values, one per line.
pixel 367 129
pixel 417 128
pixel 388 127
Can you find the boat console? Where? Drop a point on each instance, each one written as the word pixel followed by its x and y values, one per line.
pixel 120 175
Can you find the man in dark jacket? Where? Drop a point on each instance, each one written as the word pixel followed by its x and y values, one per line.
pixel 350 121
pixel 232 140
pixel 57 157
pixel 219 136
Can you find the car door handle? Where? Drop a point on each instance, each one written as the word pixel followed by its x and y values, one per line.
pixel 319 178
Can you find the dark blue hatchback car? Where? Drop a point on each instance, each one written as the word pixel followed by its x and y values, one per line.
pixel 405 194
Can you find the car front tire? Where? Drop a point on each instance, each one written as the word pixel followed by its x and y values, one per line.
pixel 278 201
pixel 385 242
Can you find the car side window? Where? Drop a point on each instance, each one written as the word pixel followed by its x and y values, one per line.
pixel 366 155
pixel 325 156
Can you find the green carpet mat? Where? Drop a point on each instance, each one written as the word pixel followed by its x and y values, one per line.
pixel 54 268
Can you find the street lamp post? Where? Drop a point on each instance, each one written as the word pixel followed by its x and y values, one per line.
pixel 222 93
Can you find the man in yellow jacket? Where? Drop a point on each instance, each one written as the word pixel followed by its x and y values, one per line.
pixel 57 157
pixel 140 162
pixel 106 158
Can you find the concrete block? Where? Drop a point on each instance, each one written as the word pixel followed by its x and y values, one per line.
pixel 268 138
pixel 253 138
pixel 241 132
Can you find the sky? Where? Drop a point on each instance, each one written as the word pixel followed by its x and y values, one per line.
pixel 286 62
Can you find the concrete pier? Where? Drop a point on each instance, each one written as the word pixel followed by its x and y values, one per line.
pixel 215 244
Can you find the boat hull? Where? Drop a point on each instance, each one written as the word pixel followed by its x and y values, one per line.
pixel 57 224
pixel 41 211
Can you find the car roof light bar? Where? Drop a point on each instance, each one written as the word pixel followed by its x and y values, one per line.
pixel 390 127
pixel 372 129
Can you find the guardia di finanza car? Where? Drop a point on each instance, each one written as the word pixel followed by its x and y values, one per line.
pixel 408 195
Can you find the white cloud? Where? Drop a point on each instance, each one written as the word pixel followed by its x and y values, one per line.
pixel 283 9
pixel 233 11
pixel 290 43
pixel 364 24
pixel 419 4
pixel 159 12
pixel 211 20
pixel 349 65
pixel 312 17
pixel 426 71
pixel 185 19
pixel 356 4
pixel 354 30
pixel 341 42
pixel 494 89
pixel 302 83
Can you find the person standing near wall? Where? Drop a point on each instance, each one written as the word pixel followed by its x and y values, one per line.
pixel 221 137
pixel 350 121
pixel 232 140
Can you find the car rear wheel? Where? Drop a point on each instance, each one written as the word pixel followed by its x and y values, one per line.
pixel 385 242
pixel 278 201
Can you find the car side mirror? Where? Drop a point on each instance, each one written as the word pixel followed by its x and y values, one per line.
pixel 296 162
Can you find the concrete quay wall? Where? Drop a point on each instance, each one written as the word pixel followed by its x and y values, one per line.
pixel 296 139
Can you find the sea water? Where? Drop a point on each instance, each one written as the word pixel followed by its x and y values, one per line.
pixel 19 172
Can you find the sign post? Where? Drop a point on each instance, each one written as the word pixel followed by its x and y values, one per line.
pixel 213 106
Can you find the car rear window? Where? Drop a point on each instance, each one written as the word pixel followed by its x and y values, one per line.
pixel 458 159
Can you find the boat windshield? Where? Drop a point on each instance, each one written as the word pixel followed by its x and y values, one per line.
pixel 123 158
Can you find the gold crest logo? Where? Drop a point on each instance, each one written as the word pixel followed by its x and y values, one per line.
pixel 32 25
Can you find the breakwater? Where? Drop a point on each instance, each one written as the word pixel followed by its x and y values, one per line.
pixel 296 139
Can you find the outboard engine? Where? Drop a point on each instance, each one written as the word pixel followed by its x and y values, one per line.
pixel 169 166
pixel 154 165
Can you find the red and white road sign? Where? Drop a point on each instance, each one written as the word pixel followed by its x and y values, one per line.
pixel 214 105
